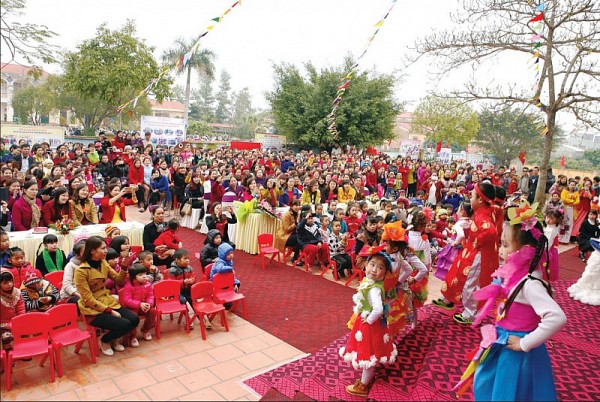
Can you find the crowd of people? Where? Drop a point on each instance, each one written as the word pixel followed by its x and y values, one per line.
pixel 393 219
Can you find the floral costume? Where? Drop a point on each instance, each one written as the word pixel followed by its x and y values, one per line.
pixel 369 342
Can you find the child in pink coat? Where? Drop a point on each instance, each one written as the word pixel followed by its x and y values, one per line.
pixel 138 297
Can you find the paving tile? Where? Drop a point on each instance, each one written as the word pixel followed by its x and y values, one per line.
pixel 166 390
pixel 64 396
pixel 168 353
pixel 101 390
pixel 231 390
pixel 229 369
pixel 206 394
pixel 69 381
pixel 138 395
pixel 134 381
pixel 269 339
pixel 198 380
pixel 218 336
pixel 282 351
pixel 106 368
pixel 256 360
pixel 246 331
pixel 196 345
pixel 197 361
pixel 33 391
pixel 135 363
pixel 167 370
pixel 225 352
pixel 250 345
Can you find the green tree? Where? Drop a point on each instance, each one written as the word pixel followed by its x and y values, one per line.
pixel 486 31
pixel 201 61
pixel 198 128
pixel 29 41
pixel 302 102
pixel 446 120
pixel 107 71
pixel 203 107
pixel 223 112
pixel 593 155
pixel 507 132
pixel 177 93
pixel 32 102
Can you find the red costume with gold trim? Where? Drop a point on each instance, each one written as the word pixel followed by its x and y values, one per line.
pixel 482 239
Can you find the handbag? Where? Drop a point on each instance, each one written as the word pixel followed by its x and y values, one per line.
pixel 187 208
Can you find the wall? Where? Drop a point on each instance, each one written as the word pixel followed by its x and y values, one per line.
pixel 572 173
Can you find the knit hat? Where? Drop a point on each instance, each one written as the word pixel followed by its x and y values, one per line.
pixel 31 278
pixel 109 230
pixel 81 236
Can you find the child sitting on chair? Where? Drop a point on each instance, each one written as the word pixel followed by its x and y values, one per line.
pixel 11 306
pixel 224 264
pixel 147 260
pixel 138 297
pixel 38 294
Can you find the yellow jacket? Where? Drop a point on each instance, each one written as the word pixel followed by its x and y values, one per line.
pixel 91 285
pixel 89 210
pixel 344 197
pixel 265 194
pixel 288 226
pixel 306 198
pixel 569 199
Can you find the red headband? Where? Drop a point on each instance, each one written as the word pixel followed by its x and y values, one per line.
pixel 483 196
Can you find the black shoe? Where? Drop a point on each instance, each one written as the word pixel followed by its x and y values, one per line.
pixel 300 264
pixel 441 303
pixel 228 306
pixel 582 256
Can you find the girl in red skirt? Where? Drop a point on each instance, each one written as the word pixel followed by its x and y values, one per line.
pixel 370 342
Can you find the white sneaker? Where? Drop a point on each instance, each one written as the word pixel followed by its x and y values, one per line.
pixel 135 343
pixel 207 323
pixel 147 336
pixel 118 347
pixel 106 349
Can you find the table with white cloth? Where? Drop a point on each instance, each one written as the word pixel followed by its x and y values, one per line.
pixel 30 242
pixel 248 231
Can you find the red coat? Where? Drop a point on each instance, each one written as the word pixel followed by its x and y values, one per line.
pixel 19 274
pixel 438 189
pixel 119 144
pixel 404 171
pixel 108 211
pixel 132 296
pixel 136 175
pixel 21 214
pixel 49 214
pixel 168 239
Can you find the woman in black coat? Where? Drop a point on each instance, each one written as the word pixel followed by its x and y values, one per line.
pixel 218 220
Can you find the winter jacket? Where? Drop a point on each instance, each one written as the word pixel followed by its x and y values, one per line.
pixel 168 238
pixel 22 215
pixel 136 175
pixel 180 273
pixel 132 295
pixel 305 236
pixel 90 282
pixel 49 215
pixel 68 286
pixel 210 251
pixel 222 265
pixel 88 210
pixel 11 303
pixel 284 198
pixel 108 211
pixel 31 297
pixel 19 274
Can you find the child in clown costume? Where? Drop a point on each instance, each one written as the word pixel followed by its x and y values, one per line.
pixel 399 297
pixel 370 342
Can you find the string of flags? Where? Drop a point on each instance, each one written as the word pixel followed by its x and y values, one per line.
pixel 181 61
pixel 537 22
pixel 341 89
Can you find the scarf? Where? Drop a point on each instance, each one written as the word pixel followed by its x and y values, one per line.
pixel 50 265
pixel 35 211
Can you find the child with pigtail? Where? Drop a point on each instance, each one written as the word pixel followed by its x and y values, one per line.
pixel 517 366
pixel 419 250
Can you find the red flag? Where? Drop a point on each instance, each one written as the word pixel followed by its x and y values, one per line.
pixel 538 17
pixel 562 162
pixel 522 157
pixel 438 147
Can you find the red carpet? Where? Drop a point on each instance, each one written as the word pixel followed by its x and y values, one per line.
pixel 431 361
pixel 282 300
pixel 571 267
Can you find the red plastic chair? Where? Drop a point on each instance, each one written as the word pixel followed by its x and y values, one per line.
pixel 265 247
pixel 224 291
pixel 30 332
pixel 55 278
pixel 166 296
pixel 202 296
pixel 64 332
pixel 333 265
pixel 206 271
pixel 356 272
pixel 2 359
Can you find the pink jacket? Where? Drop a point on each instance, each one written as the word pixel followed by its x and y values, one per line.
pixel 131 296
